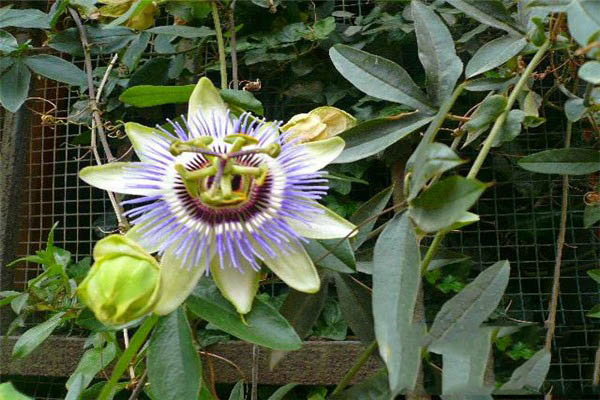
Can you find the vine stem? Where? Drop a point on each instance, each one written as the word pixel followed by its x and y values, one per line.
pixel 220 44
pixel 97 125
pixel 362 359
pixel 233 46
pixel 137 341
pixel 487 145
pixel 560 243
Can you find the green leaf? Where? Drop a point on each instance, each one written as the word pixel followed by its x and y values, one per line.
pixel 487 84
pixel 591 215
pixel 6 63
pixel 102 40
pixel 263 325
pixel 574 109
pixel 134 51
pixel 436 159
pixel 511 128
pixel 14 86
pixel 465 363
pixel 594 274
pixel 485 114
pixel 594 312
pixel 572 161
pixel 530 376
pixel 489 12
pixel 135 9
pixel 467 310
pixel 8 392
pixel 494 53
pixel 33 337
pixel 374 387
pixel 187 32
pixel 280 393
pixel 583 18
pixel 8 43
pixel 153 72
pixel 436 52
pixel 174 368
pixel 375 135
pixel 24 18
pixel 242 99
pixel 445 202
pixel 301 310
pixel 396 280
pixel 590 72
pixel 92 362
pixel 57 69
pixel 355 304
pixel 237 393
pixel 378 77
pixel 149 95
pixel 340 257
pixel 367 210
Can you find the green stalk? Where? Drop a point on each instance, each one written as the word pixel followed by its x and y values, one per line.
pixel 136 342
pixel 487 145
pixel 362 359
pixel 220 44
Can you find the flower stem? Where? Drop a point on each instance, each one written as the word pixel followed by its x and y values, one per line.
pixel 220 44
pixel 362 359
pixel 136 342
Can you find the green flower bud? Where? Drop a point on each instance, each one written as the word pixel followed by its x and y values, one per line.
pixel 320 123
pixel 123 284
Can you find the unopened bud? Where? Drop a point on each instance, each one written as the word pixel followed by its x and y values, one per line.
pixel 320 123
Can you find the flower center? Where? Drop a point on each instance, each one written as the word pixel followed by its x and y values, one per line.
pixel 224 181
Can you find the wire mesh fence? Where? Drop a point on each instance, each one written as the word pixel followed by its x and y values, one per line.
pixel 519 222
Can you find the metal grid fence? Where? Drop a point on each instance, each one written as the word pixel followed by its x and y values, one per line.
pixel 519 222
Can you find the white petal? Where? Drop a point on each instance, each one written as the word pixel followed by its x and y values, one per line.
pixel 328 225
pixel 207 99
pixel 295 268
pixel 148 242
pixel 144 138
pixel 117 177
pixel 239 287
pixel 178 278
pixel 321 153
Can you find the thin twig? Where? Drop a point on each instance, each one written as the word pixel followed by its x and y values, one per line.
pixel 97 125
pixel 596 375
pixel 126 341
pixel 139 386
pixel 233 47
pixel 226 360
pixel 553 305
pixel 111 65
pixel 254 391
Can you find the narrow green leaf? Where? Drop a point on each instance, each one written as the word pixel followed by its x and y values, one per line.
pixel 174 369
pixel 378 77
pixel 494 53
pixel 57 69
pixel 445 202
pixel 436 52
pixel 594 274
pixel 14 86
pixel 33 337
pixel 242 99
pixel 489 12
pixel 467 310
pixel 134 51
pixel 149 95
pixel 369 209
pixel 591 215
pixel 572 161
pixel 91 363
pixel 154 72
pixel 530 376
pixel 375 135
pixel 511 128
pixel 590 72
pixel 301 310
pixel 280 393
pixel 188 32
pixel 8 392
pixel 396 280
pixel 6 63
pixel 340 257
pixel 24 18
pixel 355 303
pixel 437 158
pixel 8 43
pixel 263 325
pixel 102 40
pixel 237 393
pixel 483 117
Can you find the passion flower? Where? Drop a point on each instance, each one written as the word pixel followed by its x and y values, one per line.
pixel 224 194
